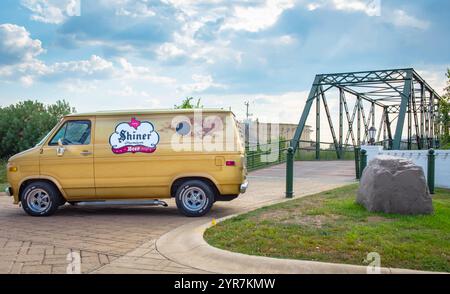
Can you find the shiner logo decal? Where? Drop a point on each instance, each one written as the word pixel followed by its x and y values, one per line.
pixel 133 137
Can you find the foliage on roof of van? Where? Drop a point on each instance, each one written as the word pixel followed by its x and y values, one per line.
pixel 149 111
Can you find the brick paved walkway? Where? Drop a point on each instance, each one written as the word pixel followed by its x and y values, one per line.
pixel 122 239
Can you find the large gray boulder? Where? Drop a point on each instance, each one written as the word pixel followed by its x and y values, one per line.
pixel 394 185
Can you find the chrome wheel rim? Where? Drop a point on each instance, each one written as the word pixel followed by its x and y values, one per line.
pixel 38 200
pixel 194 199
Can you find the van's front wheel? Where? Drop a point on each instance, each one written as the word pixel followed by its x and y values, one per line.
pixel 194 198
pixel 40 199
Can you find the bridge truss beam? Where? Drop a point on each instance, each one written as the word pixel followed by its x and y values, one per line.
pixel 399 97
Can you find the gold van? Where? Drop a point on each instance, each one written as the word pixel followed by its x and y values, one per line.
pixel 132 157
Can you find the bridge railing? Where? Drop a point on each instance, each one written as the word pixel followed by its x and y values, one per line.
pixel 265 155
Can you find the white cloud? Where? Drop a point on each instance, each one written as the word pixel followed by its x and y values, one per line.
pixel 131 72
pixel 126 90
pixel 369 7
pixel 200 84
pixel 52 11
pixel 168 51
pixel 436 78
pixel 19 61
pixel 286 40
pixel 25 72
pixel 204 35
pixel 95 67
pixel 185 45
pixel 254 19
pixel 79 86
pixel 27 81
pixel 18 55
pixel 401 19
pixel 313 6
pixel 132 8
pixel 16 45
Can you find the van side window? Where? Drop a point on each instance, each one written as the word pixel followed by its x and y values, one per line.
pixel 73 133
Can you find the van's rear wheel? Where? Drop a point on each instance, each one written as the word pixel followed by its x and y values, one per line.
pixel 194 198
pixel 40 199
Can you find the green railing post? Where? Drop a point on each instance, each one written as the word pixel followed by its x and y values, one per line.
pixel 363 162
pixel 290 173
pixel 253 160
pixel 280 152
pixel 431 165
pixel 357 163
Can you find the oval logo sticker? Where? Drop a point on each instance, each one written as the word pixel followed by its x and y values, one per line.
pixel 134 137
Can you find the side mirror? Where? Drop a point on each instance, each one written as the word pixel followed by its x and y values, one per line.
pixel 60 150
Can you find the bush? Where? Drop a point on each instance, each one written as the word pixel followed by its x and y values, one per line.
pixel 24 124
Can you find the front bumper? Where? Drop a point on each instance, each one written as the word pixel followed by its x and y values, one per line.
pixel 244 187
pixel 9 191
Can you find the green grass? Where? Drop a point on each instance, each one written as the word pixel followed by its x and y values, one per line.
pixel 331 227
pixel 3 180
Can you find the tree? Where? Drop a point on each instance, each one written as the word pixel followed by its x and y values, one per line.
pixel 444 110
pixel 24 124
pixel 187 104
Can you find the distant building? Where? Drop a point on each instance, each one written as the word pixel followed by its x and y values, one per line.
pixel 256 132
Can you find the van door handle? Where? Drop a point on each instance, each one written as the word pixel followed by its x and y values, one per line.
pixel 86 153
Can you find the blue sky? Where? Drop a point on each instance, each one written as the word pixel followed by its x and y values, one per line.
pixel 116 54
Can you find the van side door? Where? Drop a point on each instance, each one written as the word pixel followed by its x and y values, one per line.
pixel 128 160
pixel 72 163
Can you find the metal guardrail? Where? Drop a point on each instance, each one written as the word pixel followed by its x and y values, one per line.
pixel 265 155
pixel 404 145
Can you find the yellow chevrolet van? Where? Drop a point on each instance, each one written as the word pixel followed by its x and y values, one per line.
pixel 132 157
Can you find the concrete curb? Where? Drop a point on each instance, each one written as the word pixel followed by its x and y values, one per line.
pixel 185 245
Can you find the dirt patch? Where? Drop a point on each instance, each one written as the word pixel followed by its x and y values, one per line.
pixel 316 221
pixel 293 218
pixel 378 219
pixel 276 215
pixel 294 210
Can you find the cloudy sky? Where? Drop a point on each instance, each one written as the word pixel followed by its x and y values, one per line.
pixel 117 54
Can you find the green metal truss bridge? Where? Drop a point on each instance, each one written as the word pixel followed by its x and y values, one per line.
pixel 397 101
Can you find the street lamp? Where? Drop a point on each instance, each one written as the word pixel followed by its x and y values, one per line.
pixel 372 134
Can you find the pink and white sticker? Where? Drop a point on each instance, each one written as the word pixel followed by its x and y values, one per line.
pixel 134 137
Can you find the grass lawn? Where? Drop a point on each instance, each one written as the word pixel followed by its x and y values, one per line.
pixel 331 227
pixel 2 175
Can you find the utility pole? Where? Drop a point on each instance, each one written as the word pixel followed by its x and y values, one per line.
pixel 247 123
pixel 247 113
